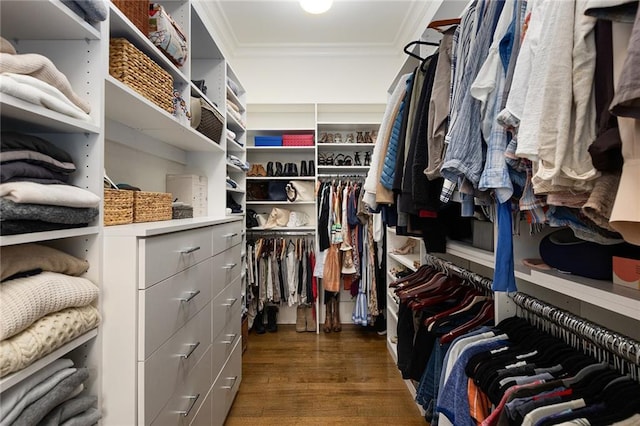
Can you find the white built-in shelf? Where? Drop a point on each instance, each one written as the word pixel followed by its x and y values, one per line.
pixel 233 98
pixel 44 20
pixel 407 260
pixel 149 229
pixel 280 149
pixel 200 94
pixel 31 117
pixel 234 168
pixel 233 146
pixel 257 203
pixel 283 229
pixel 14 378
pixel 473 254
pixel 328 127
pixel 8 240
pixel 342 169
pixel 345 146
pixel 234 124
pixel 236 190
pixel 151 120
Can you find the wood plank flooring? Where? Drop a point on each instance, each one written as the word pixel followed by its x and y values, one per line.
pixel 345 378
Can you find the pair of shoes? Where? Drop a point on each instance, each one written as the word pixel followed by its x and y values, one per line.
pixel 367 137
pixel 278 169
pixel 257 170
pixel 304 319
pixel 322 138
pixel 359 137
pixel 367 159
pixel 349 138
pixel 337 138
pixel 408 247
pixel 356 159
pixel 290 169
pixel 303 168
pixel 258 323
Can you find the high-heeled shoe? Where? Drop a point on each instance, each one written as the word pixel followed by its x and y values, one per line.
pixel 359 137
pixel 356 159
pixel 408 247
pixel 349 138
pixel 367 137
pixel 367 159
pixel 337 138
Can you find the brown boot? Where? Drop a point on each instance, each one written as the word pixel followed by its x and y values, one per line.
pixel 327 317
pixel 308 314
pixel 300 319
pixel 335 317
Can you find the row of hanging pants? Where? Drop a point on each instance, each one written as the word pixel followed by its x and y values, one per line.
pixel 279 272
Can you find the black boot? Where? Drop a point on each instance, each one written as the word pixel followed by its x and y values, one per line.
pixel 294 170
pixel 272 319
pixel 279 171
pixel 258 323
pixel 303 169
pixel 270 168
pixel 312 168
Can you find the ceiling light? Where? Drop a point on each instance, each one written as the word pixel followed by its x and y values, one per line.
pixel 316 7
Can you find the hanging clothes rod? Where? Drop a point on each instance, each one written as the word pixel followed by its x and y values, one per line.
pixel 360 176
pixel 444 265
pixel 275 232
pixel 620 345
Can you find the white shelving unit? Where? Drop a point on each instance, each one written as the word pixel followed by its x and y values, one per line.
pixel 75 47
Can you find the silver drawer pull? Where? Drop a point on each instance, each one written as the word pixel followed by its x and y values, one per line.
pixel 189 250
pixel 233 379
pixel 192 294
pixel 194 346
pixel 230 235
pixel 228 305
pixel 231 340
pixel 230 266
pixel 193 403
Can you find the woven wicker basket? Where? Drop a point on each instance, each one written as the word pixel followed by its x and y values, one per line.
pixel 151 206
pixel 211 122
pixel 118 207
pixel 135 69
pixel 137 11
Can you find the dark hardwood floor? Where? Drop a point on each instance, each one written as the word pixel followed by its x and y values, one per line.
pixel 345 378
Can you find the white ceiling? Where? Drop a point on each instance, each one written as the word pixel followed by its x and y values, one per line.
pixel 281 27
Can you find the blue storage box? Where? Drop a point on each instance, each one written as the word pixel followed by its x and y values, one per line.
pixel 268 140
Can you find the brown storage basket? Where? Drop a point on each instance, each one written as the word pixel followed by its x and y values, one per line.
pixel 118 207
pixel 151 206
pixel 135 69
pixel 211 122
pixel 137 11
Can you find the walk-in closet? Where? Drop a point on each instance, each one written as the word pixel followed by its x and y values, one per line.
pixel 319 212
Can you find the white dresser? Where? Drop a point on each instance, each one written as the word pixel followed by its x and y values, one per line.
pixel 171 333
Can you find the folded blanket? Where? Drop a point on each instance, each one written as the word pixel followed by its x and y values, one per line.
pixel 17 171
pixel 45 336
pixel 54 214
pixel 87 418
pixel 16 227
pixel 69 409
pixel 14 141
pixel 90 10
pixel 25 300
pixel 28 390
pixel 41 68
pixel 40 408
pixel 56 195
pixel 37 158
pixel 36 393
pixel 27 257
pixel 37 92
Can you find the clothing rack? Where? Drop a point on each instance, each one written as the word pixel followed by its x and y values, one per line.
pixel 352 176
pixel 276 233
pixel 621 351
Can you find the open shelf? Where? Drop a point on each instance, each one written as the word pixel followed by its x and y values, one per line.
pixel 39 118
pixel 407 260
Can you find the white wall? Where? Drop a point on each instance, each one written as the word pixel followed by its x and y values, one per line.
pixel 321 79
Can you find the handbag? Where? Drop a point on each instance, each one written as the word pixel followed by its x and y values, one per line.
pixel 277 190
pixel 300 190
pixel 165 33
pixel 257 191
pixel 252 219
pixel 277 217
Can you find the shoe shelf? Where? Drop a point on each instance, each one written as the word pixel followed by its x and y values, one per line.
pixel 268 178
pixel 281 149
pixel 345 146
pixel 346 169
pixel 268 202
pixel 408 260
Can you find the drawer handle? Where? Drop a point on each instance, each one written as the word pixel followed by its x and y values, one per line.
pixel 192 294
pixel 230 266
pixel 189 250
pixel 194 346
pixel 193 403
pixel 231 340
pixel 230 235
pixel 233 301
pixel 233 379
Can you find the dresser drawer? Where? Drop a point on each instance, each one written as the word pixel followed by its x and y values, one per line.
pixel 226 340
pixel 227 266
pixel 168 305
pixel 171 365
pixel 226 235
pixel 188 397
pixel 203 416
pixel 166 255
pixel 226 307
pixel 226 386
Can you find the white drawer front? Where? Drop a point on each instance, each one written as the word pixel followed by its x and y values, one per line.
pixel 170 366
pixel 166 255
pixel 226 307
pixel 168 305
pixel 227 266
pixel 203 416
pixel 224 342
pixel 226 387
pixel 188 397
pixel 226 235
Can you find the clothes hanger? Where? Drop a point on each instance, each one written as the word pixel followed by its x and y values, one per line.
pixel 438 24
pixel 484 316
pixel 471 298
pixel 418 42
